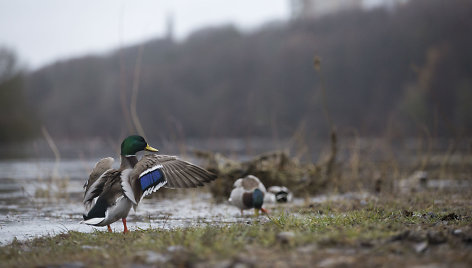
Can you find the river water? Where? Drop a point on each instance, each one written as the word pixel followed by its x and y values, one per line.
pixel 33 204
pixel 42 197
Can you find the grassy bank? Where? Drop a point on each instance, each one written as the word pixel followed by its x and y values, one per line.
pixel 428 228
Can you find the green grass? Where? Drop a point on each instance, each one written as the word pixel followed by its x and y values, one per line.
pixel 328 225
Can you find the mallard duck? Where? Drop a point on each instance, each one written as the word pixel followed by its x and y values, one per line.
pixel 248 193
pixel 279 194
pixel 117 190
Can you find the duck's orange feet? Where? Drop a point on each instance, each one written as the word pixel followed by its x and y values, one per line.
pixel 109 228
pixel 125 230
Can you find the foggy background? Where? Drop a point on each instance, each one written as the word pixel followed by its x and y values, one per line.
pixel 245 70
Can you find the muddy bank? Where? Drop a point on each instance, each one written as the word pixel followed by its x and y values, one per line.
pixel 357 173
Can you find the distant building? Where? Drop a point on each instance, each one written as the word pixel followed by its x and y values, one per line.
pixel 318 8
pixel 169 34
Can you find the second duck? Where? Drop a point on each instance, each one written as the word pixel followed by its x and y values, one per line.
pixel 248 193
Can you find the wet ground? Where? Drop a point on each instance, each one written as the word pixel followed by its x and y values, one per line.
pixel 32 204
pixel 426 223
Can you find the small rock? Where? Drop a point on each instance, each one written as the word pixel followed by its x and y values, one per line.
pixel 340 261
pixel 174 249
pixel 180 256
pixel 105 255
pixel 151 257
pixel 436 237
pixel 457 232
pixel 421 247
pixel 366 244
pixel 285 238
pixel 154 257
pixel 417 236
pixel 308 249
pixel 401 236
pixel 244 261
pixel 467 239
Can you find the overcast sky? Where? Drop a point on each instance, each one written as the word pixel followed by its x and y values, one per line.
pixel 42 31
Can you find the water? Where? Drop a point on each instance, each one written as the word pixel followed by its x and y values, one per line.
pixel 32 204
pixel 29 206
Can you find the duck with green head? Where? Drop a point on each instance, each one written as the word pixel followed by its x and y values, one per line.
pixel 110 193
pixel 248 192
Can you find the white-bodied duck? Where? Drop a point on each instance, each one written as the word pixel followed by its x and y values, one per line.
pixel 248 193
pixel 110 193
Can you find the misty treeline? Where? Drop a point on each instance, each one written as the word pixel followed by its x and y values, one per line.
pixel 385 73
pixel 17 120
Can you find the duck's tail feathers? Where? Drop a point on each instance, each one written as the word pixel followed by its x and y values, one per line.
pixel 93 221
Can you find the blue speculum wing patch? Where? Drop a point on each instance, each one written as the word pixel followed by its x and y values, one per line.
pixel 151 178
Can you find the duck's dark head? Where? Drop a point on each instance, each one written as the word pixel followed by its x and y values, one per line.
pixel 257 201
pixel 133 144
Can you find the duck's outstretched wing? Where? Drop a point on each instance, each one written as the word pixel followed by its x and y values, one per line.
pixel 97 179
pixel 154 171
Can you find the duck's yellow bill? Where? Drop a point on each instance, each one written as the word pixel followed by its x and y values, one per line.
pixel 149 148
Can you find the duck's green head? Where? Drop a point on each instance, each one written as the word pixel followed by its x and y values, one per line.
pixel 257 201
pixel 133 144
